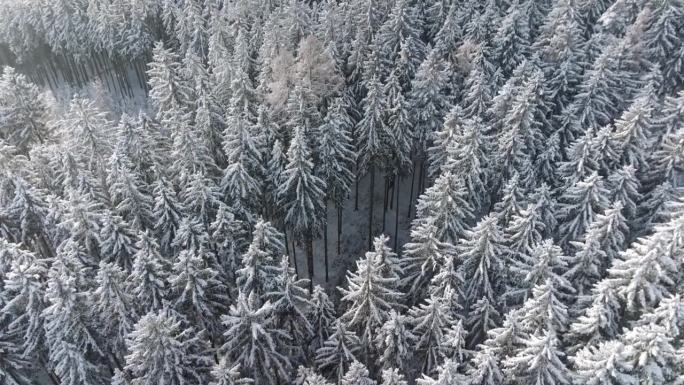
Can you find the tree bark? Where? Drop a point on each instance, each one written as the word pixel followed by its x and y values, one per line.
pixel 309 261
pixel 294 257
pixel 385 203
pixel 339 228
pixel 397 182
pixel 410 202
pixel 325 246
pixel 370 211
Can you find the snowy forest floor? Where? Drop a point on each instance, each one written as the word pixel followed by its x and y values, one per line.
pixel 354 238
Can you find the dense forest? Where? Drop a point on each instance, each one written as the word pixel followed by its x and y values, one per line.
pixel 352 192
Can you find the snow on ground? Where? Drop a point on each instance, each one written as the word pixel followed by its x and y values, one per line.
pixel 354 240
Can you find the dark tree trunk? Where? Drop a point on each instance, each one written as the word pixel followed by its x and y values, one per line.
pixel 356 183
pixel 287 246
pixel 385 203
pixel 309 261
pixel 325 246
pixel 397 182
pixel 410 202
pixel 370 210
pixel 294 257
pixel 339 228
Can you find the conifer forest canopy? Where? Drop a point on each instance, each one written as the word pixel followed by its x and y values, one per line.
pixel 341 192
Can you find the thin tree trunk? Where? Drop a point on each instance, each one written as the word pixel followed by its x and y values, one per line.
pixel 397 182
pixel 385 202
pixel 287 246
pixel 410 202
pixel 356 194
pixel 339 228
pixel 421 178
pixel 325 246
pixel 294 256
pixel 370 211
pixel 309 261
pixel 393 186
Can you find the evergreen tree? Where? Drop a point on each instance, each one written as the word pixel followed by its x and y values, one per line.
pixel 579 205
pixel 321 316
pixel 481 251
pixel 258 271
pixel 430 321
pixel 447 373
pixel 512 39
pixel 169 90
pixel 393 341
pixel 302 194
pixel 23 111
pixel 540 362
pixel 291 303
pixel 393 377
pixel 427 101
pixel 161 351
pixel 254 342
pixel 148 279
pixel 357 375
pixel 603 364
pixel 370 296
pixel 114 307
pixel 226 374
pixel 423 256
pixel 196 289
pixel 168 212
pixel 338 352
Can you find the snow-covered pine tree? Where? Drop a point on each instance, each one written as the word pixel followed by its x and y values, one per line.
pixel 422 257
pixel 427 101
pixel 446 205
pixel 259 265
pixel 167 211
pixel 431 321
pixel 540 361
pixel 129 194
pixel 605 363
pixel 254 341
pixel 370 296
pixel 225 373
pixel 453 344
pixel 394 341
pixel 511 199
pixel 481 252
pixel 117 240
pixel 160 350
pixel 23 111
pixel 321 316
pixel 393 377
pixel 169 89
pixel 372 137
pixel 147 281
pixel 114 307
pixel 357 375
pixel 242 178
pixel 445 139
pixel 447 373
pixel 302 195
pixel 23 301
pixel 579 205
pixel 308 376
pixel 338 352
pixel 468 158
pixel 291 304
pixel 196 289
pixel 337 158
